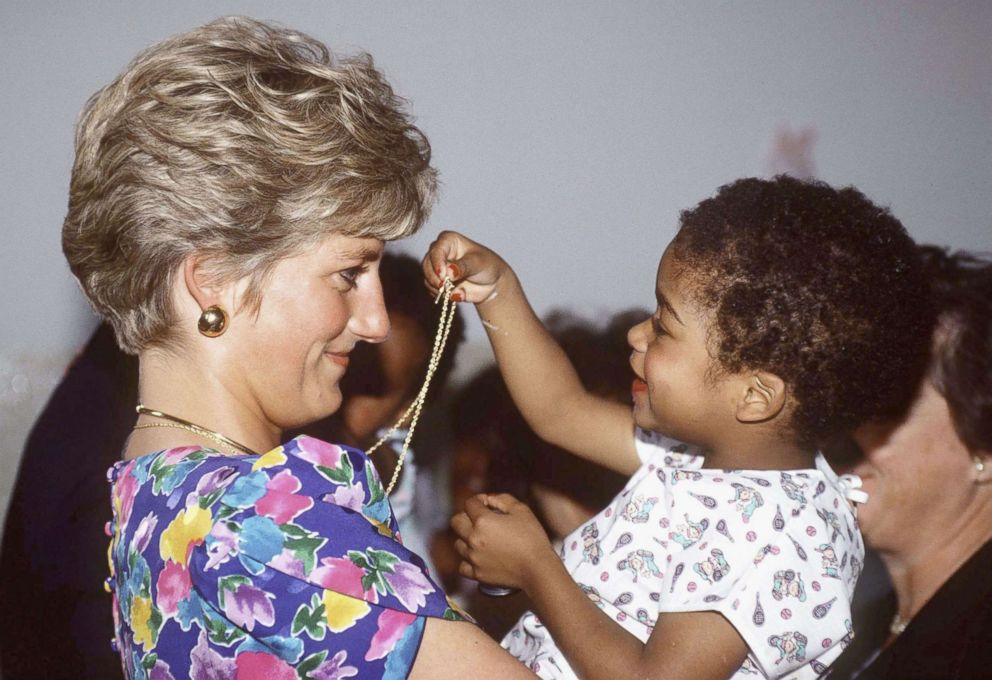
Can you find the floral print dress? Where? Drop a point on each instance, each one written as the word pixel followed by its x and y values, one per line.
pixel 281 566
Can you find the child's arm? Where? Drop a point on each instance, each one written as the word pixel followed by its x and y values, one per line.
pixel 538 374
pixel 511 549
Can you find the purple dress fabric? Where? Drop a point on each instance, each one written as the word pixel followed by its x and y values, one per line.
pixel 281 566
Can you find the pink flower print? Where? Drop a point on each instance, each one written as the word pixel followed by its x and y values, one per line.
pixel 392 625
pixel 206 664
pixel 334 669
pixel 341 575
pixel 252 665
pixel 125 490
pixel 280 501
pixel 143 534
pixel 221 544
pixel 173 456
pixel 288 563
pixel 248 605
pixel 351 496
pixel 173 586
pixel 319 452
pixel 410 585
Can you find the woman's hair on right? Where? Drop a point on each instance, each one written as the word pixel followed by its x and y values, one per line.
pixel 961 363
pixel 817 285
pixel 240 141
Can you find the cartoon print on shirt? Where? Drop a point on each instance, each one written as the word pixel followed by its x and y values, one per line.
pixel 788 583
pixel 591 551
pixel 749 668
pixel 638 510
pixel 713 568
pixel 685 475
pixel 689 533
pixel 592 594
pixel 832 521
pixel 794 491
pixel 747 500
pixel 640 563
pixel 829 556
pixel 791 646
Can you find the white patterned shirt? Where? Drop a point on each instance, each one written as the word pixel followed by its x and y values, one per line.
pixel 777 553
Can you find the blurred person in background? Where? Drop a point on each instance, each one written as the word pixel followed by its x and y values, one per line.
pixel 929 512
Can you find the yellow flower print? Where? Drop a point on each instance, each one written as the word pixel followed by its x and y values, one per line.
pixel 271 459
pixel 141 613
pixel 188 528
pixel 343 611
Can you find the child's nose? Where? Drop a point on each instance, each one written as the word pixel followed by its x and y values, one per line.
pixel 637 336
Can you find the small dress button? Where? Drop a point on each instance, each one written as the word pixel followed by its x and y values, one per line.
pixel 109 584
pixel 114 646
pixel 112 474
pixel 108 529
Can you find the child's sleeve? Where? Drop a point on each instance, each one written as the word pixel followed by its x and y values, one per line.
pixel 784 582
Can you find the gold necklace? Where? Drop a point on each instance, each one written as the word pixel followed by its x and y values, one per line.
pixel 181 424
pixel 448 311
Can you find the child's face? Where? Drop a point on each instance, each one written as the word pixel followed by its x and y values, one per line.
pixel 673 393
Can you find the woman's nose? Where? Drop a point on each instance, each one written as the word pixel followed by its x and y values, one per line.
pixel 369 320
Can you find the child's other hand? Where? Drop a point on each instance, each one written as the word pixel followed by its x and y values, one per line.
pixel 475 270
pixel 500 541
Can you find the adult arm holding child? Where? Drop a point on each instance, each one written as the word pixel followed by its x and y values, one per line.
pixel 542 381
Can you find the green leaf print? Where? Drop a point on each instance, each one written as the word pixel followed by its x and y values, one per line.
pixel 342 474
pixel 311 619
pixel 310 664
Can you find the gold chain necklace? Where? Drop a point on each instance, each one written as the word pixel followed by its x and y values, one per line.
pixel 181 424
pixel 448 310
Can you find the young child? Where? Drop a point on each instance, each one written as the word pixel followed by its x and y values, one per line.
pixel 788 312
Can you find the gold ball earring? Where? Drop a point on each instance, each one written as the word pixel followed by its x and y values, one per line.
pixel 212 322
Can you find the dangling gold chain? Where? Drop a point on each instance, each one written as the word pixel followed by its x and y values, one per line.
pixel 448 310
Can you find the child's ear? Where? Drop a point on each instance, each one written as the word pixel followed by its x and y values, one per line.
pixel 762 399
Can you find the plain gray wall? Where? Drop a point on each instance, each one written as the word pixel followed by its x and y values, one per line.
pixel 568 134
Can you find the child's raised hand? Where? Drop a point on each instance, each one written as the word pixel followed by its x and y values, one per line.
pixel 500 541
pixel 475 270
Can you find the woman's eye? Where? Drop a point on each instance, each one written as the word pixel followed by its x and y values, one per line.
pixel 351 276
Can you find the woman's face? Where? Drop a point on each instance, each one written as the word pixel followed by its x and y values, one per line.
pixel 918 476
pixel 315 308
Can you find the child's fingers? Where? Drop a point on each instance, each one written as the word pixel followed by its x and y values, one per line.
pixel 467 570
pixel 501 502
pixel 475 507
pixel 461 547
pixel 461 525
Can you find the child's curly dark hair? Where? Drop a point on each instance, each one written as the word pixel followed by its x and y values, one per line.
pixel 817 285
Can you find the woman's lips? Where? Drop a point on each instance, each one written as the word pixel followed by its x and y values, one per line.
pixel 638 386
pixel 340 358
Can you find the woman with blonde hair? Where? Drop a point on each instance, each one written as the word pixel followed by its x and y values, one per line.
pixel 229 202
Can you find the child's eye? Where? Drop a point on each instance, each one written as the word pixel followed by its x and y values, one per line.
pixel 351 275
pixel 657 327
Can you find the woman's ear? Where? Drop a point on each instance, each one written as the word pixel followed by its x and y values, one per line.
pixel 762 399
pixel 202 282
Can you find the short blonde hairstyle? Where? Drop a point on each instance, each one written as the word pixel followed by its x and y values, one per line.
pixel 243 142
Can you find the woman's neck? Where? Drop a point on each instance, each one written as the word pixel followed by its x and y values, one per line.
pixel 181 386
pixel 918 570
